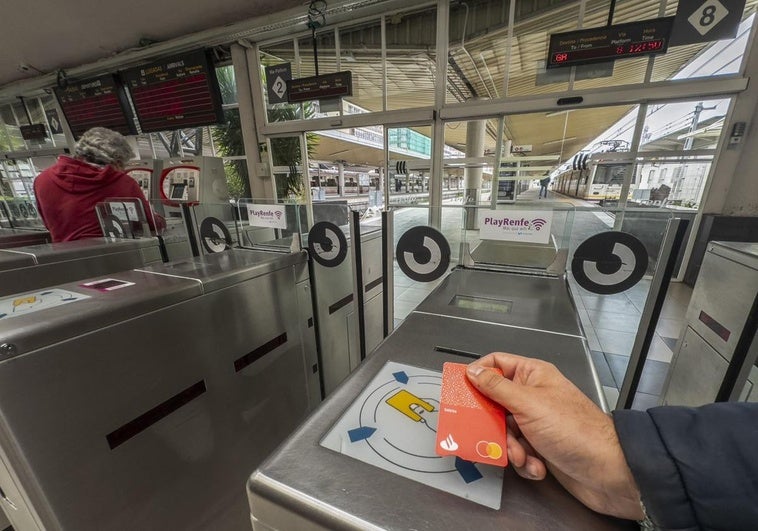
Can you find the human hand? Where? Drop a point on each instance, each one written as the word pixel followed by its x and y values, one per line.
pixel 553 426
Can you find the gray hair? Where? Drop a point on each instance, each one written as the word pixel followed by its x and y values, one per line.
pixel 103 146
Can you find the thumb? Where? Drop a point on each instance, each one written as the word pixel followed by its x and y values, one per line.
pixel 494 386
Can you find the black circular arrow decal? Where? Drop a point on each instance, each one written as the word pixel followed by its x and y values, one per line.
pixel 214 235
pixel 423 254
pixel 113 227
pixel 610 262
pixel 327 244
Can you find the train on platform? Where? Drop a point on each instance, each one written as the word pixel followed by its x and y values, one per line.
pixel 594 175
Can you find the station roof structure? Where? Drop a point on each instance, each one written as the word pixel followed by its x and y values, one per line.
pixel 44 36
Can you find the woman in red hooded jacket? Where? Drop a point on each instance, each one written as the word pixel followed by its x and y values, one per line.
pixel 68 191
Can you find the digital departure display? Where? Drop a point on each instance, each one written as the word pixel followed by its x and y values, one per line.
pixel 611 42
pixel 176 92
pixel 98 102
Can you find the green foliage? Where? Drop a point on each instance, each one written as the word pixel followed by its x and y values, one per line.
pixel 228 138
pixel 286 151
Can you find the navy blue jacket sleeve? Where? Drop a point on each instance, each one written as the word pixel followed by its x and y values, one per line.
pixel 696 468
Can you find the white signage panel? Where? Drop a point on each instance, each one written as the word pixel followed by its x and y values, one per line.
pixel 272 216
pixel 526 226
pixel 124 211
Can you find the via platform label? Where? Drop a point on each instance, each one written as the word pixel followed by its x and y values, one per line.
pixel 527 226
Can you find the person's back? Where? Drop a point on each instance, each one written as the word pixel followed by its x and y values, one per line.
pixel 68 191
pixel 544 182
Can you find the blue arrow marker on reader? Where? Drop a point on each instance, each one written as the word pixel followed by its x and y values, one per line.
pixel 359 434
pixel 467 470
pixel 401 377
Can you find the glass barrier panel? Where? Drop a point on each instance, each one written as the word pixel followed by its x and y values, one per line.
pixel 267 224
pixel 525 236
pixel 216 226
pixel 611 321
pixel 408 293
pixel 122 218
pixel 21 212
pixel 174 233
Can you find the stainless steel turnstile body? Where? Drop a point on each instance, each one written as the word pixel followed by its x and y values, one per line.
pixel 146 407
pixel 10 238
pixel 305 486
pixel 39 266
pixel 724 296
pixel 336 310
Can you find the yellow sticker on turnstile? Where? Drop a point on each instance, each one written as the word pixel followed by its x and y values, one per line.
pixel 24 300
pixel 404 401
pixel 18 305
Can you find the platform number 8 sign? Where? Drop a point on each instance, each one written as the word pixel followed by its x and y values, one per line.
pixel 703 21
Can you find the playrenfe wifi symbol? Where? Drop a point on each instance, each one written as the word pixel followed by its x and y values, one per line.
pixel 538 223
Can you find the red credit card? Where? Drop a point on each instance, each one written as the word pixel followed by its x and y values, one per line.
pixel 470 425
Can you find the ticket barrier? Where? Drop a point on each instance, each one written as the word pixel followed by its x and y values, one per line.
pixel 20 224
pixel 21 213
pixel 716 357
pixel 376 431
pixel 363 444
pixel 336 302
pixel 38 266
pixel 156 391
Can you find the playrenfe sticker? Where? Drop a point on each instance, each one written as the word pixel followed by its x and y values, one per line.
pixel 528 226
pixel 272 216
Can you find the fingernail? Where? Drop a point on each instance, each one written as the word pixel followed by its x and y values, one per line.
pixel 474 370
pixel 531 470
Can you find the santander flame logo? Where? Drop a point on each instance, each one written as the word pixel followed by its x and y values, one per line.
pixel 448 444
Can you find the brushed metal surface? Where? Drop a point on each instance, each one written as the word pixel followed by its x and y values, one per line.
pixel 100 363
pixel 543 303
pixel 340 351
pixel 725 289
pixel 220 270
pixel 10 260
pixel 696 372
pixel 305 486
pixel 58 263
pixel 19 237
pixel 150 292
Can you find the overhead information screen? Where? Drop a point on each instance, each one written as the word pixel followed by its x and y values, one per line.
pixel 99 102
pixel 326 86
pixel 597 45
pixel 175 92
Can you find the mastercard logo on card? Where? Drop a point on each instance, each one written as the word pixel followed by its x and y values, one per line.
pixel 470 425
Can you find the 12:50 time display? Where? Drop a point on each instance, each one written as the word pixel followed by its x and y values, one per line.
pixel 607 52
pixel 640 47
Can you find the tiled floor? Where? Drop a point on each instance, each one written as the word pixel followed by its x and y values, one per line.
pixel 610 323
